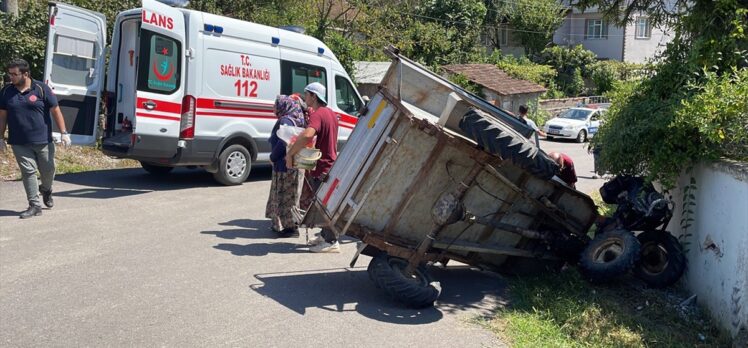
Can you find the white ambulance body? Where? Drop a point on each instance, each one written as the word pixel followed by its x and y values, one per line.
pixel 186 88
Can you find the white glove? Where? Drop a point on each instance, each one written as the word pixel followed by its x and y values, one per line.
pixel 3 147
pixel 66 140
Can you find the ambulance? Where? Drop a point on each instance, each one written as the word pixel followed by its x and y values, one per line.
pixel 183 87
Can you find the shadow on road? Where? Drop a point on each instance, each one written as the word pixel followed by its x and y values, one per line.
pixel 114 183
pixel 9 212
pixel 351 290
pixel 249 229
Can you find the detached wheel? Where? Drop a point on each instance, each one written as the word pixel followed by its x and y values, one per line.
pixel 662 260
pixel 609 255
pixel 154 169
pixel 417 291
pixel 234 165
pixel 582 136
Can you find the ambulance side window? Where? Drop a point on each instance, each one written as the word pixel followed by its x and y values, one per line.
pixel 346 97
pixel 295 76
pixel 160 63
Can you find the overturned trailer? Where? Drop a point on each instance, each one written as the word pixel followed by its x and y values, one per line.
pixel 433 173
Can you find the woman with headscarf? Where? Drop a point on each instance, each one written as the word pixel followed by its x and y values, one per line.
pixel 283 203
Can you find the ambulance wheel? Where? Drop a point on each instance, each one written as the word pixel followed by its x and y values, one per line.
pixel 154 169
pixel 234 164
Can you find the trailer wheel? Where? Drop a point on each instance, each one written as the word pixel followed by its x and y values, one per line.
pixel 418 291
pixel 662 261
pixel 154 169
pixel 234 165
pixel 499 139
pixel 609 255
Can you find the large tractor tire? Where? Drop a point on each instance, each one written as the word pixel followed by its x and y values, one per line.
pixel 609 255
pixel 662 261
pixel 499 139
pixel 156 170
pixel 417 291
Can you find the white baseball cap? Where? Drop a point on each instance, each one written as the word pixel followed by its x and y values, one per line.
pixel 318 89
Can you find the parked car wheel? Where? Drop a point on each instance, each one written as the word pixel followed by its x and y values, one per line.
pixel 154 169
pixel 609 255
pixel 234 165
pixel 497 138
pixel 417 291
pixel 662 261
pixel 582 136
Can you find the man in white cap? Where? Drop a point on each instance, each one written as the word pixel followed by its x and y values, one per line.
pixel 323 123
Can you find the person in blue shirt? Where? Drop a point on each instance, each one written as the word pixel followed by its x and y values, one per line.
pixel 26 108
pixel 285 189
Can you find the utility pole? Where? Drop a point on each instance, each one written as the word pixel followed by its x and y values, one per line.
pixel 10 7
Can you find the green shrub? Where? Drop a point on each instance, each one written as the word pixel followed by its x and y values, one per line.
pixel 714 120
pixel 572 65
pixel 462 81
pixel 603 76
pixel 694 108
pixel 537 114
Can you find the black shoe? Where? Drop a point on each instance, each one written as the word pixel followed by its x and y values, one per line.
pixel 31 212
pixel 47 198
pixel 289 232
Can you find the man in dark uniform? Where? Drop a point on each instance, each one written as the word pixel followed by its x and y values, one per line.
pixel 25 107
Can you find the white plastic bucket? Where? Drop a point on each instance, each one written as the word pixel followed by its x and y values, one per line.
pixel 307 158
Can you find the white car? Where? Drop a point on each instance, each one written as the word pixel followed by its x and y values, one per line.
pixel 576 123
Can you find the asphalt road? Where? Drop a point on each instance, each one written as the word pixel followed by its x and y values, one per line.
pixel 126 259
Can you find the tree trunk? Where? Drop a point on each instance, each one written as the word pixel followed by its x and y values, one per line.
pixel 10 7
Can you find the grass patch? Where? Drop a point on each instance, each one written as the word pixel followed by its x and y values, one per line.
pixel 562 310
pixel 74 159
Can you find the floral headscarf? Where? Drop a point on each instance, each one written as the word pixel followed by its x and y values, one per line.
pixel 286 106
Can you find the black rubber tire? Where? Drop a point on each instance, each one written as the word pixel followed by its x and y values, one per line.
pixel 609 255
pixel 662 261
pixel 499 139
pixel 233 173
pixel 418 292
pixel 154 169
pixel 582 136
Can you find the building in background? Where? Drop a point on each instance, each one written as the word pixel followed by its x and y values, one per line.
pixel 636 42
pixel 498 88
pixel 368 76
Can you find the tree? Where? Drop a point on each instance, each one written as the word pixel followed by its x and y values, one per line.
pixel 532 21
pixel 686 112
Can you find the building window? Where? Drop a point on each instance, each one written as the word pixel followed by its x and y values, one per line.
pixel 502 35
pixel 596 29
pixel 643 30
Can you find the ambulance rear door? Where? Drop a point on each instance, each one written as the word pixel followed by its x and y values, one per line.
pixel 161 81
pixel 74 68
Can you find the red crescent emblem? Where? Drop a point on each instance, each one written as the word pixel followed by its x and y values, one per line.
pixel 32 98
pixel 164 77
